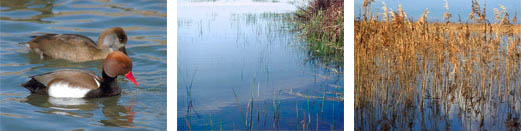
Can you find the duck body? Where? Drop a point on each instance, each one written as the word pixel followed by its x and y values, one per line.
pixel 67 46
pixel 74 83
pixel 78 48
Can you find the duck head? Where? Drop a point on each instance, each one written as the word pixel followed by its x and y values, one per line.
pixel 118 63
pixel 113 39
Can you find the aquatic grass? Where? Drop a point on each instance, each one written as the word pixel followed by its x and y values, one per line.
pixel 296 110
pixel 322 25
pixel 240 107
pixel 210 125
pixel 271 111
pixel 190 106
pixel 276 110
pixel 252 90
pixel 323 100
pixel 333 118
pixel 264 108
pixel 221 126
pixel 247 116
pixel 430 68
pixel 307 124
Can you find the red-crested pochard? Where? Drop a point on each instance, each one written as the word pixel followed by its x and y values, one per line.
pixel 75 83
pixel 78 48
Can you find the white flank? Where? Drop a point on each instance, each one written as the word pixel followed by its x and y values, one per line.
pixel 63 89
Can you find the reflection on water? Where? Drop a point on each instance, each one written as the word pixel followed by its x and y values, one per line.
pixel 117 115
pixel 240 66
pixel 21 8
pixel 138 108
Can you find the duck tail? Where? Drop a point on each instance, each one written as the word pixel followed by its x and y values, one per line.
pixel 26 44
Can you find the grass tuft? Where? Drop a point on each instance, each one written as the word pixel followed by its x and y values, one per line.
pixel 322 25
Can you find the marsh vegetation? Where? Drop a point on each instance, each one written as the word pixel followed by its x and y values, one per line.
pixel 242 67
pixel 321 23
pixel 418 74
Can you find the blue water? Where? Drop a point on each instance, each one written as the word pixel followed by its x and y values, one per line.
pixel 458 8
pixel 241 66
pixel 138 108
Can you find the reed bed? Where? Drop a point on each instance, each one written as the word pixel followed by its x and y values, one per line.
pixel 424 75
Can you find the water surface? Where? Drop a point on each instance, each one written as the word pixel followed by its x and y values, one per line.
pixel 240 66
pixel 138 108
pixel 458 8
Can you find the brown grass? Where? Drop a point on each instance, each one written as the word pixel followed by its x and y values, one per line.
pixel 403 66
pixel 322 25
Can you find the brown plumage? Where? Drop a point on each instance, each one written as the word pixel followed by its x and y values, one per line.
pixel 78 48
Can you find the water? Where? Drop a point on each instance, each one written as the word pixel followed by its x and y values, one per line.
pixel 458 9
pixel 138 108
pixel 240 66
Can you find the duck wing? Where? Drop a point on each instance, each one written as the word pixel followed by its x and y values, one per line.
pixel 73 77
pixel 66 46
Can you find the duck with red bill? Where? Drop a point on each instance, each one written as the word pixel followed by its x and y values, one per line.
pixel 75 83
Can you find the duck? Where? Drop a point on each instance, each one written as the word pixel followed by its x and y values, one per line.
pixel 75 83
pixel 78 48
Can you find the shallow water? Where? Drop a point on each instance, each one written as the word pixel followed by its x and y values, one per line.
pixel 138 108
pixel 240 66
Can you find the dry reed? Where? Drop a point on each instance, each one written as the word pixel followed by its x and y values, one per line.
pixel 403 67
